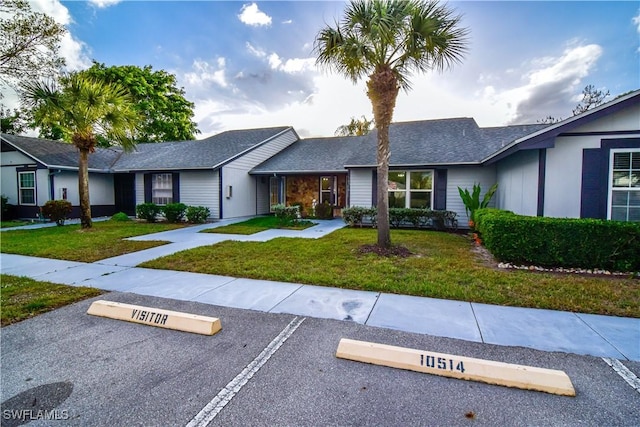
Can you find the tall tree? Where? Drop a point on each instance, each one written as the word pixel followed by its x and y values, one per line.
pixel 83 108
pixel 14 122
pixel 356 127
pixel 166 113
pixel 385 41
pixel 29 43
pixel 591 98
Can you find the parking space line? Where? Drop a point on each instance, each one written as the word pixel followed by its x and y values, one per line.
pixel 624 372
pixel 213 408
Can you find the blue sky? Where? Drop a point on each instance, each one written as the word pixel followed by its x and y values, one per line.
pixel 250 64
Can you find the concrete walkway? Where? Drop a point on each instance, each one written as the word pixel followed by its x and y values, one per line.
pixel 548 330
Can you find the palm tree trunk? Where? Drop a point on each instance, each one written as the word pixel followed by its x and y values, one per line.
pixel 384 234
pixel 383 91
pixel 83 188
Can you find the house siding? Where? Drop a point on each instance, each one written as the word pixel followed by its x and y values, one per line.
pixel 360 188
pixel 517 178
pixel 262 195
pixel 466 177
pixel 243 201
pixel 200 188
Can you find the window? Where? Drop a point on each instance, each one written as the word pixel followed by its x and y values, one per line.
pixel 27 188
pixel 625 186
pixel 410 189
pixel 162 188
pixel 328 190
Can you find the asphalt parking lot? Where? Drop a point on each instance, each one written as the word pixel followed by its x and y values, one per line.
pixel 92 371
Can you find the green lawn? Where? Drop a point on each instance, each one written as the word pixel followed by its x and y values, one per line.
pixel 256 225
pixel 22 298
pixel 70 242
pixel 442 266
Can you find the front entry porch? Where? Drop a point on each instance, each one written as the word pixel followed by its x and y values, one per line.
pixel 309 191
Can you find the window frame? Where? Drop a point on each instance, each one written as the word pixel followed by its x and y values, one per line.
pixel 21 188
pixel 611 189
pixel 332 191
pixel 407 190
pixel 154 181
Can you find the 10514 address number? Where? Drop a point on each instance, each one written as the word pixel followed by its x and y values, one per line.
pixel 441 363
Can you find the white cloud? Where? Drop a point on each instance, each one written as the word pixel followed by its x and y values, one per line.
pixel 204 73
pixel 288 21
pixel 102 4
pixel 255 51
pixel 251 15
pixel 636 21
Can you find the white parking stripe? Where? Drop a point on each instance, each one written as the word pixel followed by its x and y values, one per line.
pixel 624 372
pixel 213 408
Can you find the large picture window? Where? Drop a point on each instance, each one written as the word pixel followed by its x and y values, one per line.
pixel 27 188
pixel 410 189
pixel 625 186
pixel 162 188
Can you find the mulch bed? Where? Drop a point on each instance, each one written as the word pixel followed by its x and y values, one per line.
pixel 399 251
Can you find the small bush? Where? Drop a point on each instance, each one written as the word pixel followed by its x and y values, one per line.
pixel 324 211
pixel 148 211
pixel 57 210
pixel 197 214
pixel 287 215
pixel 356 216
pixel 121 217
pixel 174 212
pixel 560 242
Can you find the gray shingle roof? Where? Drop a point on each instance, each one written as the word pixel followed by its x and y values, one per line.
pixel 61 154
pixel 201 154
pixel 420 143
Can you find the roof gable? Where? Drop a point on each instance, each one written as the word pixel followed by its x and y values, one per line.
pixel 57 154
pixel 198 154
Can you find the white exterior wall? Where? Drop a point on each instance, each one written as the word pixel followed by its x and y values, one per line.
pixel 563 172
pixel 465 177
pixel 243 201
pixel 101 191
pixel 10 160
pixel 361 187
pixel 200 188
pixel 517 178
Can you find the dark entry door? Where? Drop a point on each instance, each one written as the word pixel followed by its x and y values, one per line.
pixel 125 193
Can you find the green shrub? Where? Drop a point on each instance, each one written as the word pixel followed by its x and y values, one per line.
pixel 174 212
pixel 560 242
pixel 57 210
pixel 197 214
pixel 356 216
pixel 148 211
pixel 324 211
pixel 287 215
pixel 402 217
pixel 120 216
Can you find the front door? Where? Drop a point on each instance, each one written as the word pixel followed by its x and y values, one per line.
pixel 125 193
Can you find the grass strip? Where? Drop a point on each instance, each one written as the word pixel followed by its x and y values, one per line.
pixel 22 298
pixel 256 225
pixel 443 265
pixel 70 242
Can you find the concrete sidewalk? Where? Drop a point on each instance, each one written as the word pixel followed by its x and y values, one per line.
pixel 548 330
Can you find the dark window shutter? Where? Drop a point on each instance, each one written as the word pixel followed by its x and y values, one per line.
pixel 595 171
pixel 374 188
pixel 175 185
pixel 440 196
pixel 148 178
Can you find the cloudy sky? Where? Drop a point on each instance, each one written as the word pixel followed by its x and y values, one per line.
pixel 250 64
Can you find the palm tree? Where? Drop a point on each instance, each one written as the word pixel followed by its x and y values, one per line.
pixel 386 40
pixel 355 127
pixel 84 109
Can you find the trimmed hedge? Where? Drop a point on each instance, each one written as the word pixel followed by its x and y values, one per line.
pixel 560 242
pixel 402 217
pixel 287 215
pixel 174 212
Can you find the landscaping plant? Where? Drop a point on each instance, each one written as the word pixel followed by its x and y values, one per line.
pixel 472 200
pixel 57 210
pixel 148 211
pixel 174 212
